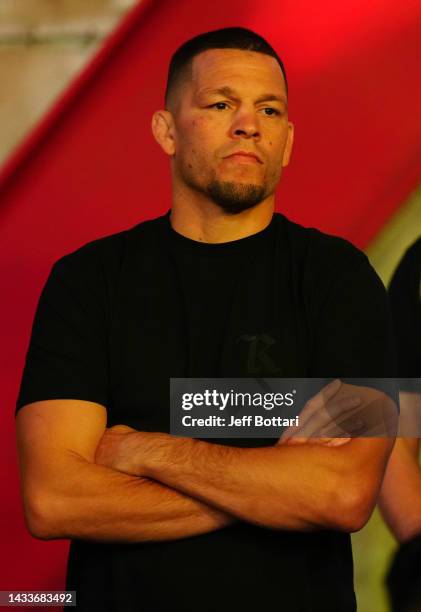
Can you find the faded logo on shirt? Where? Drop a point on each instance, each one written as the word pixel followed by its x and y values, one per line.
pixel 258 356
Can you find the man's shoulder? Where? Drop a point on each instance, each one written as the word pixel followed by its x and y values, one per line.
pixel 318 247
pixel 109 251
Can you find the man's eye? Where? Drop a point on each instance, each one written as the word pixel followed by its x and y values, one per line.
pixel 269 111
pixel 219 105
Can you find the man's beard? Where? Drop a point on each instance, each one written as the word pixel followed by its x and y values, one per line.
pixel 233 198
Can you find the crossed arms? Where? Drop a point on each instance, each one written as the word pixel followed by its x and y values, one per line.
pixel 81 480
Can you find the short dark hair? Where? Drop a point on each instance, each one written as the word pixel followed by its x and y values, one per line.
pixel 224 38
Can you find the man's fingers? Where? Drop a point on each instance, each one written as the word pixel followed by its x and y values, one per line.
pixel 286 435
pixel 348 428
pixel 123 429
pixel 329 416
pixel 318 401
pixel 317 441
pixel 340 441
pixel 314 404
pixel 295 441
pixel 324 395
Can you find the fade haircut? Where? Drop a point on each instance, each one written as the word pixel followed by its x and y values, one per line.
pixel 225 38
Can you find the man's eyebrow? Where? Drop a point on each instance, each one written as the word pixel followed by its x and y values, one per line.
pixel 270 97
pixel 222 91
pixel 231 93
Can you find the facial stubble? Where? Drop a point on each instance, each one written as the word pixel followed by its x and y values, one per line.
pixel 233 197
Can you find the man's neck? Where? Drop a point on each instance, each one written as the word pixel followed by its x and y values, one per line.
pixel 207 222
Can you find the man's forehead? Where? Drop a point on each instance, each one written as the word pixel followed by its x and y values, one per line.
pixel 235 94
pixel 213 64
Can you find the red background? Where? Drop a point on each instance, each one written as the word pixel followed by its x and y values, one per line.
pixel 92 168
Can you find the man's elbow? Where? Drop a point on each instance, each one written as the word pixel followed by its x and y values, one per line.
pixel 337 510
pixel 41 519
pixel 351 509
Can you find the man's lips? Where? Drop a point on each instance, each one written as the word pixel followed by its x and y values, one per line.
pixel 244 156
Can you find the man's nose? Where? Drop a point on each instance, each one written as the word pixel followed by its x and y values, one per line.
pixel 245 125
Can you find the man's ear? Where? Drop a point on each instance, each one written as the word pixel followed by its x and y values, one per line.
pixel 288 146
pixel 163 130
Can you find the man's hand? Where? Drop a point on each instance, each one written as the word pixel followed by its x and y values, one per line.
pixel 340 412
pixel 115 448
pixel 126 449
pixel 327 419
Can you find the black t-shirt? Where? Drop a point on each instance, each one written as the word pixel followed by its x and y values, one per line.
pixel 405 298
pixel 403 578
pixel 121 315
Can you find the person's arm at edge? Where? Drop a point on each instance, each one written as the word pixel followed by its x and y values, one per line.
pixel 66 495
pixel 400 496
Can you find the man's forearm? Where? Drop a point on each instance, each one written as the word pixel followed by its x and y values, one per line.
pixel 400 498
pixel 301 488
pixel 94 502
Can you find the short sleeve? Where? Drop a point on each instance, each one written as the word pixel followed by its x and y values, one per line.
pixel 67 353
pixel 404 576
pixel 405 296
pixel 353 328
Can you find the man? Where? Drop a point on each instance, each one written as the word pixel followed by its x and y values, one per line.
pixel 220 286
pixel 400 497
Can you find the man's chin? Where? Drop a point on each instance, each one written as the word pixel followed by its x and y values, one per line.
pixel 234 198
